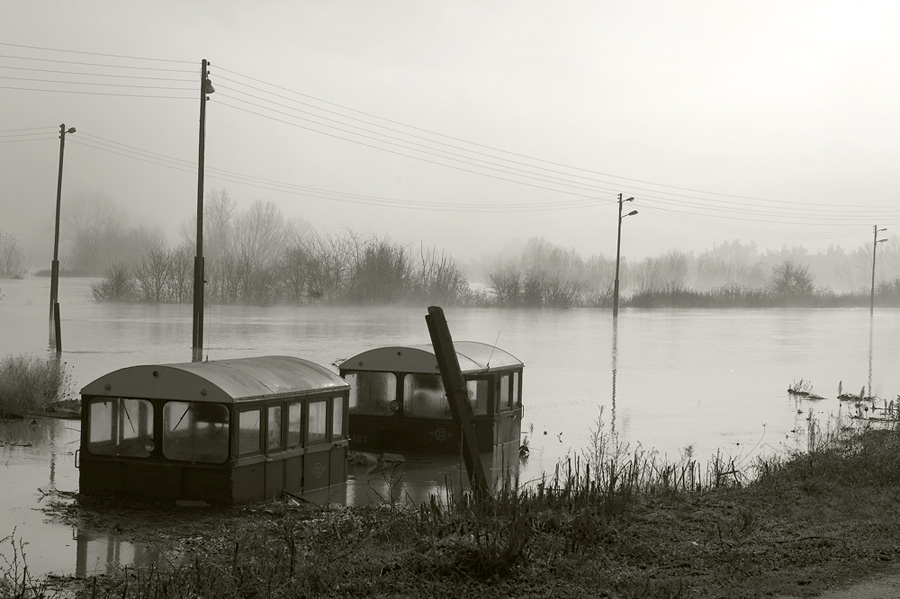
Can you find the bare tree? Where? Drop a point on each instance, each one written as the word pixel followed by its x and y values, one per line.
pixel 11 261
pixel 790 280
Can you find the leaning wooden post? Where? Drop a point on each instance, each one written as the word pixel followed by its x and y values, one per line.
pixel 458 398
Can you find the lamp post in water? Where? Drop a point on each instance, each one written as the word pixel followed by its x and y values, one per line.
pixel 54 266
pixel 618 253
pixel 875 242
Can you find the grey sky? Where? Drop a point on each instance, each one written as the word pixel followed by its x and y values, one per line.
pixel 791 105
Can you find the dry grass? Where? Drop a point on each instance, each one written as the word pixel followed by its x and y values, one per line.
pixel 29 384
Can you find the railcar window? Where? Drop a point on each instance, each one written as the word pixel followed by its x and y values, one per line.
pixel 424 397
pixel 337 418
pixel 505 399
pixel 121 427
pixel 273 429
pixel 372 393
pixel 195 432
pixel 249 432
pixel 295 424
pixel 318 411
pixel 478 395
pixel 516 397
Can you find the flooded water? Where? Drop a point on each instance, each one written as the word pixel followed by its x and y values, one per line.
pixel 705 379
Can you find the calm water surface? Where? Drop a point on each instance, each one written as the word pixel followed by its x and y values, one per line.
pixel 706 379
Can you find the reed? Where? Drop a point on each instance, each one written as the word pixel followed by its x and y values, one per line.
pixel 29 384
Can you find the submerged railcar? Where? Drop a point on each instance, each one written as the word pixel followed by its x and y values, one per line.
pixel 398 403
pixel 222 432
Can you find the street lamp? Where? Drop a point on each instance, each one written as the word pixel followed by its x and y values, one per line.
pixel 875 242
pixel 618 253
pixel 54 266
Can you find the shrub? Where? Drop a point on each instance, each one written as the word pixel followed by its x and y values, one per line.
pixel 29 384
pixel 118 286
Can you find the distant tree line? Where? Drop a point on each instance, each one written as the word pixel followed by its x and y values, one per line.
pixel 730 275
pixel 255 256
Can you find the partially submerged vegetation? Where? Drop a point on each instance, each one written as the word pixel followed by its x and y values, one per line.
pixel 611 522
pixel 32 385
pixel 256 256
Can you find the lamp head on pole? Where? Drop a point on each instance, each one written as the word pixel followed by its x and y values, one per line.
pixel 629 200
pixel 208 87
pixel 70 130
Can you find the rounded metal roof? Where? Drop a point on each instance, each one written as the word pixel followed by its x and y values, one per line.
pixel 473 357
pixel 224 381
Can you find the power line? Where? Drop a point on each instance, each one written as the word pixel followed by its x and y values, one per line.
pixel 489 147
pixel 778 204
pixel 258 182
pixel 402 154
pixel 57 71
pixel 455 157
pixel 26 129
pixel 71 91
pixel 95 53
pixel 15 141
pixel 96 64
pixel 168 88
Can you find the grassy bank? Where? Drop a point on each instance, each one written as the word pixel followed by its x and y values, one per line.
pixel 610 523
pixel 31 385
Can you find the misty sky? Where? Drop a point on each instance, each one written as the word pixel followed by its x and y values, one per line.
pixel 489 122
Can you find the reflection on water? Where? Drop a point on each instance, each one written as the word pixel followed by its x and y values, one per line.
pixel 104 554
pixel 615 359
pixel 387 480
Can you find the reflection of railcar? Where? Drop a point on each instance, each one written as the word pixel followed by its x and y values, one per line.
pixel 223 432
pixel 398 404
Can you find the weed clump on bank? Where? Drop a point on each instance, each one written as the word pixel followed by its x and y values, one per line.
pixel 28 385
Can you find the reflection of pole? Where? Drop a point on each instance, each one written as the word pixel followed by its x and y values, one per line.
pixel 871 338
pixel 615 359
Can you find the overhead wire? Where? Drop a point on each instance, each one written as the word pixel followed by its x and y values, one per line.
pixel 402 154
pixel 167 88
pixel 85 73
pixel 451 156
pixel 799 210
pixel 89 93
pixel 96 64
pixel 485 146
pixel 155 59
pixel 133 152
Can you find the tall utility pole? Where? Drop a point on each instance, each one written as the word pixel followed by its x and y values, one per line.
pixel 199 272
pixel 54 266
pixel 875 242
pixel 618 254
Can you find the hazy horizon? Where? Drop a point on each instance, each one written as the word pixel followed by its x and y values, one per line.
pixel 490 124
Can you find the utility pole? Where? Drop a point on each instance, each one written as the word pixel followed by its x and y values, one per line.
pixel 875 242
pixel 199 271
pixel 54 266
pixel 618 254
